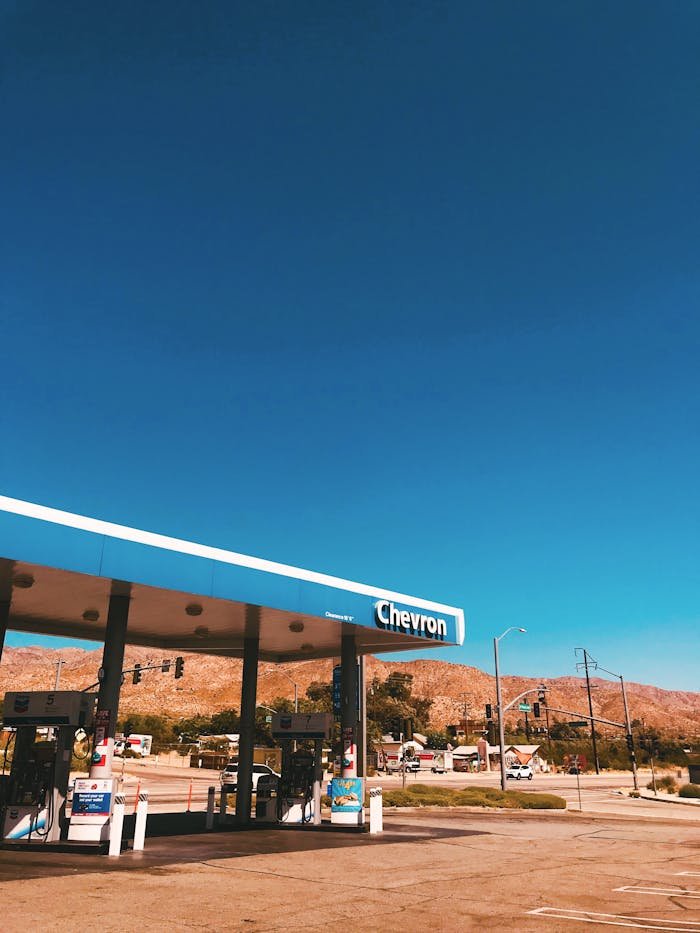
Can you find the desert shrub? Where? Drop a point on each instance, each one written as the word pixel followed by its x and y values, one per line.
pixel 539 801
pixel 667 783
pixel 423 796
pixel 398 798
pixel 689 790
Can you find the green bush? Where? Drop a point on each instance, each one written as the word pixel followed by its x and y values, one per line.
pixel 689 790
pixel 667 783
pixel 539 801
pixel 423 796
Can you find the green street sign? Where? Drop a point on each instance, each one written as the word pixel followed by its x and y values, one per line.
pixel 524 707
pixel 579 722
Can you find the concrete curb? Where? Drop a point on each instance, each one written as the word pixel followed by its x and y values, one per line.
pixel 683 801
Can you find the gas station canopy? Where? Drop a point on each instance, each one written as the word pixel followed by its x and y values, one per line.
pixel 59 570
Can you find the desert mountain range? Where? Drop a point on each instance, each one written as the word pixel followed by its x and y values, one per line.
pixel 210 684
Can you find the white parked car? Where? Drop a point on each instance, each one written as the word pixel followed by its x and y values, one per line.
pixel 519 772
pixel 229 775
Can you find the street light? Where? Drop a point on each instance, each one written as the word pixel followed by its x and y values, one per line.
pixel 499 702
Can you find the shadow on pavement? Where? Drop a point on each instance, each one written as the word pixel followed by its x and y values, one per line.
pixel 177 839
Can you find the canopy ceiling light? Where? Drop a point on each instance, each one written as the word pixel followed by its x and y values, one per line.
pixel 23 581
pixel 194 609
pixel 91 615
pixel 296 626
pixel 201 631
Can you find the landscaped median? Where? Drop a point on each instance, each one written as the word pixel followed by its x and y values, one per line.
pixel 422 795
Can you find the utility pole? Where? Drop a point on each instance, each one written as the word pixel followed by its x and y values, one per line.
pixel 586 657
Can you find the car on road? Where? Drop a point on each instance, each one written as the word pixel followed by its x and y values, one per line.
pixel 229 776
pixel 519 772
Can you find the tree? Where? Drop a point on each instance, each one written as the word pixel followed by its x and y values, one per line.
pixel 160 727
pixel 224 722
pixel 390 702
pixel 319 698
pixel 438 739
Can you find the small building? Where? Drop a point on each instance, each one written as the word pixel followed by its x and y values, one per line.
pixel 474 757
pixel 526 755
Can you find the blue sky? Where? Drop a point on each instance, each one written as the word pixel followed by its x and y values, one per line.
pixel 406 293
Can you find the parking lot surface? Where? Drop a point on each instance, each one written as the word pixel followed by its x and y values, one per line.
pixel 456 870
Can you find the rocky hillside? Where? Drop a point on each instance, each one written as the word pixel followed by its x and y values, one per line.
pixel 212 683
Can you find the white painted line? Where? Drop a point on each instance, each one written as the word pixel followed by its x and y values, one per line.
pixel 616 920
pixel 695 874
pixel 663 892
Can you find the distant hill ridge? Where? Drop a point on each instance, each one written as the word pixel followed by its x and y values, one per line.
pixel 211 683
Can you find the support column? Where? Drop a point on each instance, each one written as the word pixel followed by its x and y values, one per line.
pixel 350 787
pixel 4 619
pixel 362 722
pixel 6 570
pixel 348 706
pixel 110 684
pixel 246 741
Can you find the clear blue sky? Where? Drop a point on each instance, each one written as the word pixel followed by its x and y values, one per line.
pixel 407 293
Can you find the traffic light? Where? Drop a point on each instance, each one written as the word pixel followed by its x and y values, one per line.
pixel 629 738
pixel 137 674
pixel 536 710
pixel 491 733
pixel 407 730
pixel 489 711
pixel 179 665
pixel 165 666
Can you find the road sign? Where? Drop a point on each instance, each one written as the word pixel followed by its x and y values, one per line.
pixel 524 707
pixel 578 722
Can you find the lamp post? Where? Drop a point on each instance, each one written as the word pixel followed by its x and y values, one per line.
pixel 499 703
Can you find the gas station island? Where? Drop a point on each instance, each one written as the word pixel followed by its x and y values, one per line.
pixel 71 576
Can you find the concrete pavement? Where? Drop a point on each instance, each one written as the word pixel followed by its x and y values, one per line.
pixel 457 870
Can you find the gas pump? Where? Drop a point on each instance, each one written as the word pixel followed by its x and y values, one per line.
pixel 295 794
pixel 33 796
pixel 295 797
